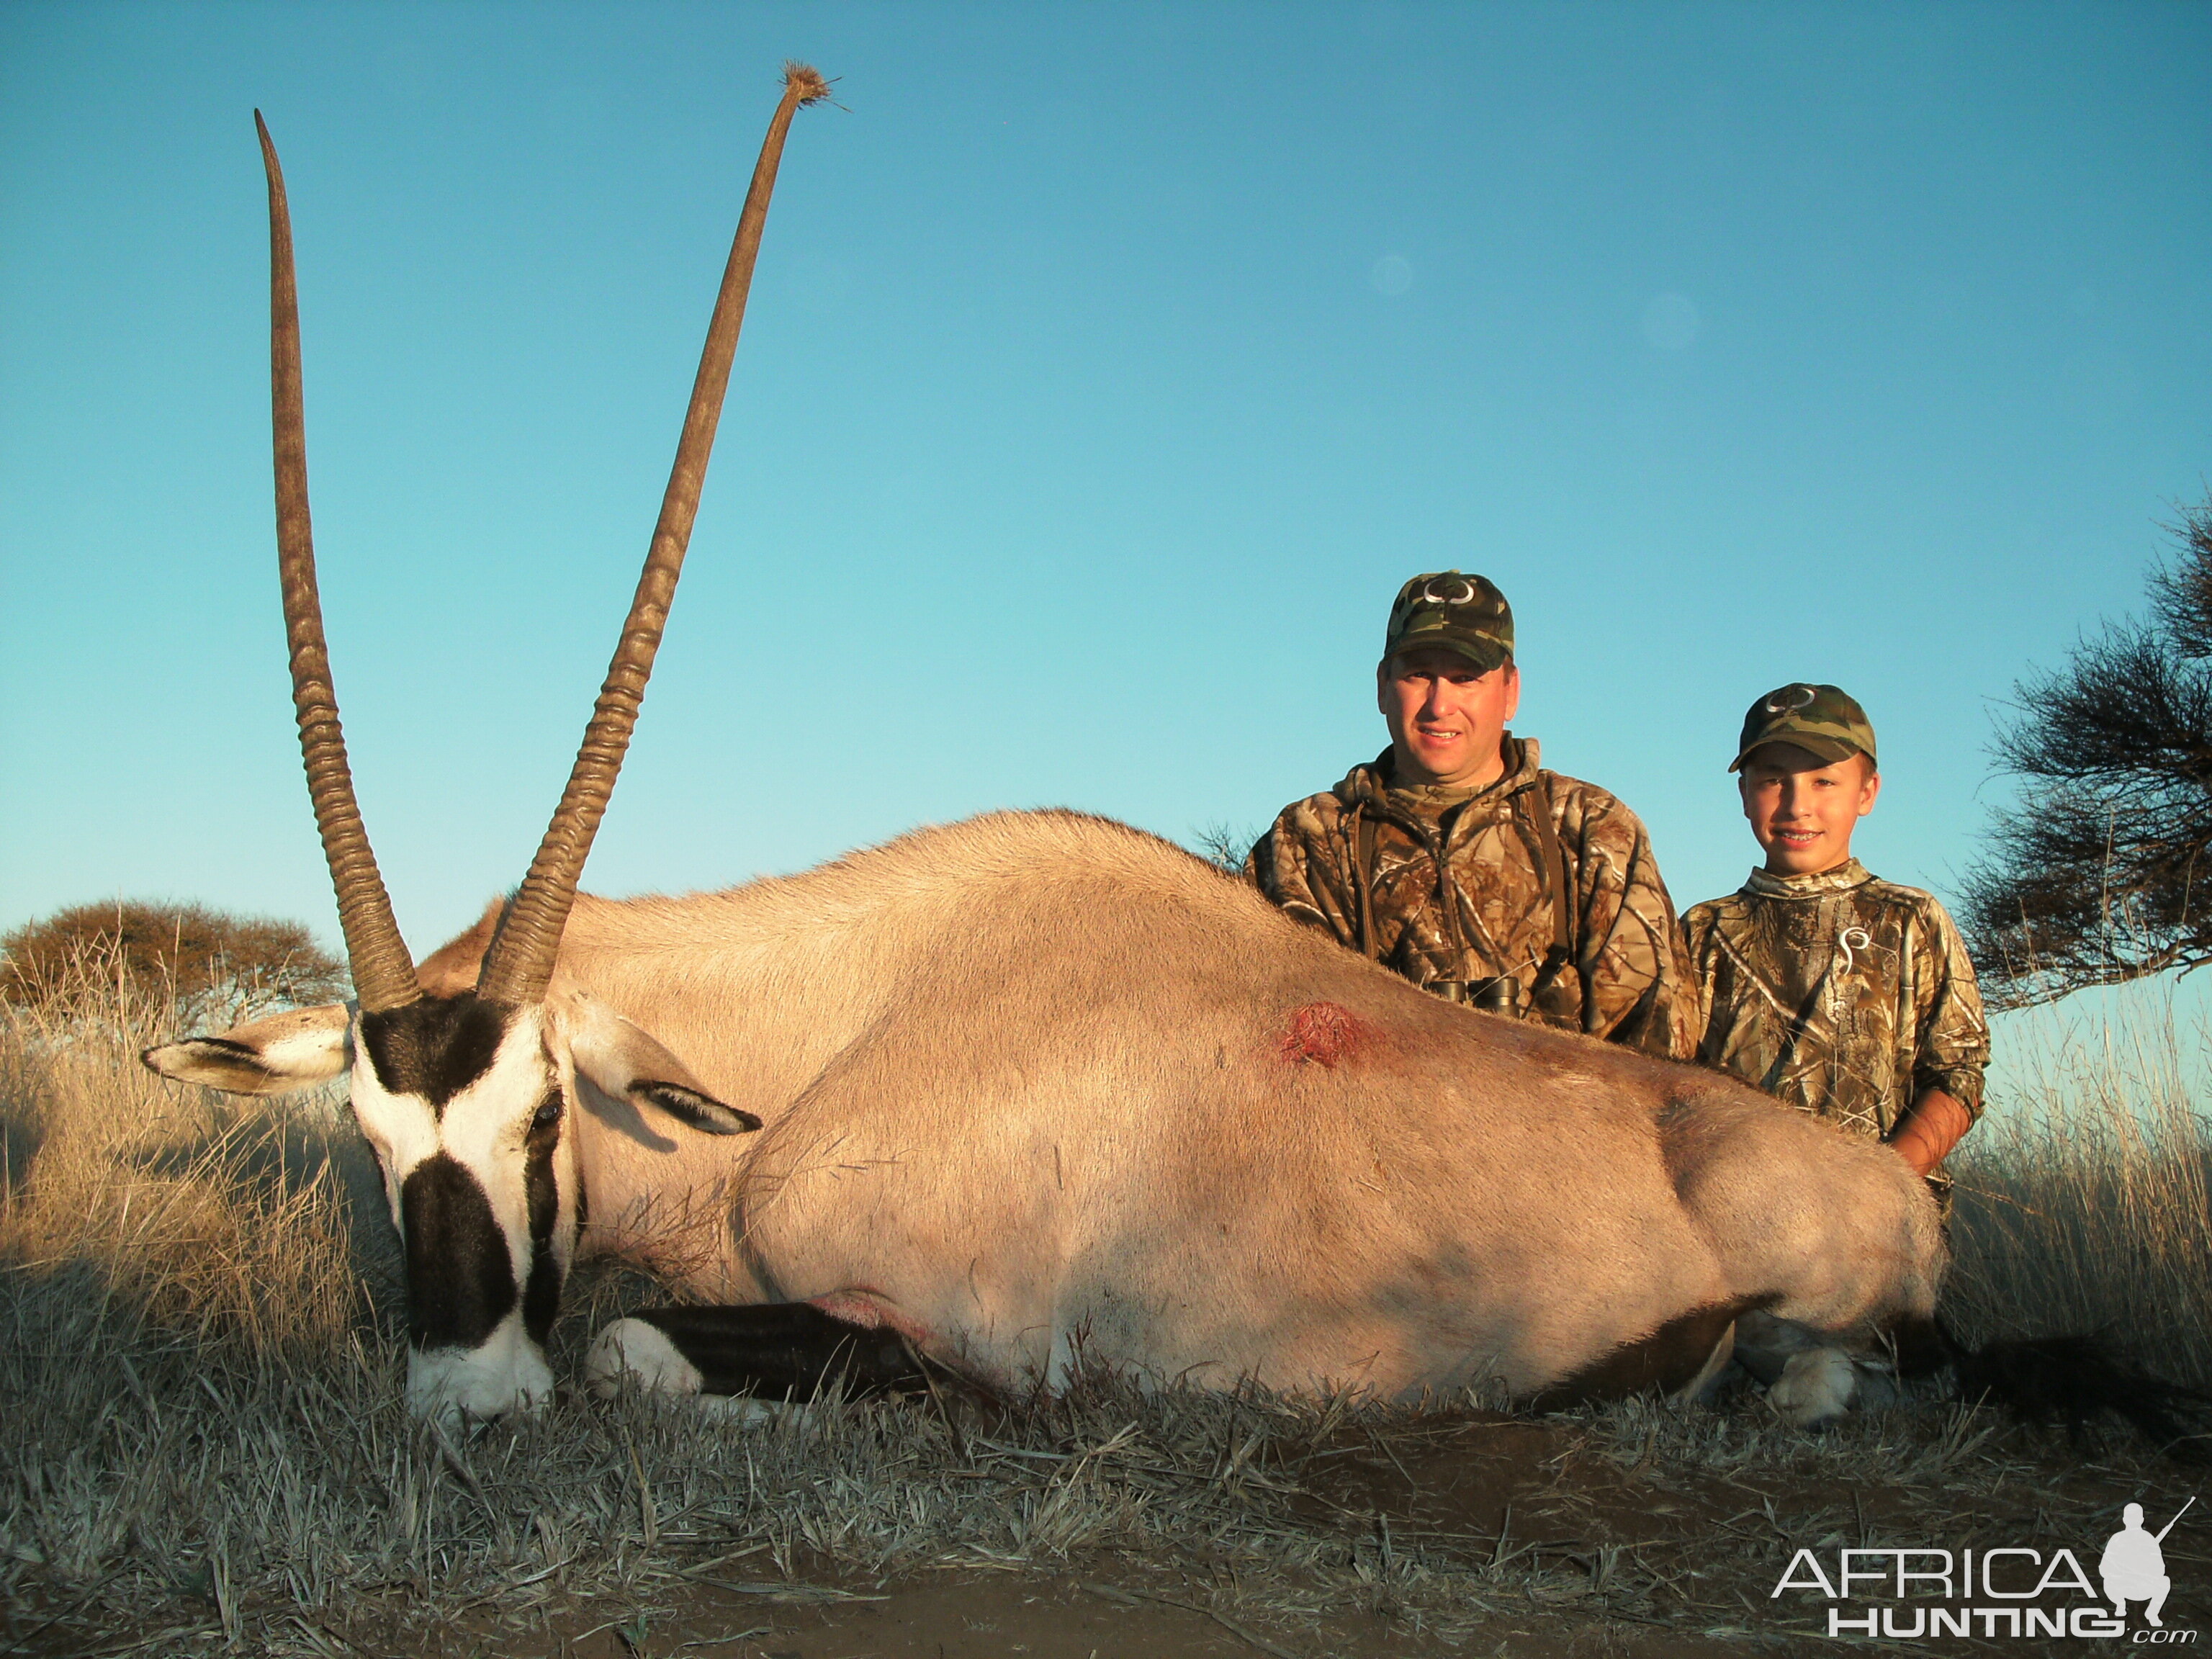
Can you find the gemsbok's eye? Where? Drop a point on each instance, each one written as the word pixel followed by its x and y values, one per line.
pixel 548 1114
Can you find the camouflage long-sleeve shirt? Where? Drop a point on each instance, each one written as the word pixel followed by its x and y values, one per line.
pixel 1844 996
pixel 1453 887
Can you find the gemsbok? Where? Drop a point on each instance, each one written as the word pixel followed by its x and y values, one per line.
pixel 1012 1092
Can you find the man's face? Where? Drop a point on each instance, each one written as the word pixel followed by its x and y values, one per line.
pixel 1446 716
pixel 1803 809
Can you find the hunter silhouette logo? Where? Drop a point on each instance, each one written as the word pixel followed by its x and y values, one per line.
pixel 2133 1566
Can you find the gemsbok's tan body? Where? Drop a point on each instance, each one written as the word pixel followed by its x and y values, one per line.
pixel 1024 1090
pixel 1039 1082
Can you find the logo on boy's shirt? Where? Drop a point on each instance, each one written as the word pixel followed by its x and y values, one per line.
pixel 1851 942
pixel 1923 1594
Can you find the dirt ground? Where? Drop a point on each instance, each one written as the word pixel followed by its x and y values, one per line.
pixel 968 1616
pixel 1705 1545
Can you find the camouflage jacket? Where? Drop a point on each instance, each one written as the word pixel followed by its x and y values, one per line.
pixel 1844 996
pixel 1455 887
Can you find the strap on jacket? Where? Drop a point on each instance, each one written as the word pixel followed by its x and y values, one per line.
pixel 1555 860
pixel 1364 830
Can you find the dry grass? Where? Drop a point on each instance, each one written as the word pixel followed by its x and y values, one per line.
pixel 2084 1195
pixel 201 1376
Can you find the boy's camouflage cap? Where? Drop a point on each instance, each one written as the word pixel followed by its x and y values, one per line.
pixel 1452 612
pixel 1822 720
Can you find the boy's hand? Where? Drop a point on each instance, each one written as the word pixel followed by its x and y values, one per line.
pixel 1936 1124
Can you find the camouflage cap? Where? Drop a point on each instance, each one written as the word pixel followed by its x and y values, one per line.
pixel 1822 720
pixel 1452 612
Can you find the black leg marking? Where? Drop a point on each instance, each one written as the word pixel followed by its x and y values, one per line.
pixel 1666 1359
pixel 1765 1344
pixel 1923 1346
pixel 785 1351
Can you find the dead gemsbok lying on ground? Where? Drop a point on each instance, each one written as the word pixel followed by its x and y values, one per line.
pixel 1030 1087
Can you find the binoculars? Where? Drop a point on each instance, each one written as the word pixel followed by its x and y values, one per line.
pixel 1501 995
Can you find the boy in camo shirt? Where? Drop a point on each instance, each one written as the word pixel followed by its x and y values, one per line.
pixel 1844 996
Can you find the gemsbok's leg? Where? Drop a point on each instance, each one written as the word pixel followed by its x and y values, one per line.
pixel 788 1352
pixel 1810 1377
pixel 1839 1247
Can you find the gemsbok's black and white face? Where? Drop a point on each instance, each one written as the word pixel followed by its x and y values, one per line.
pixel 469 1105
pixel 469 1098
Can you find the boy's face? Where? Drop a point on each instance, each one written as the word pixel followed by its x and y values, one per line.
pixel 1446 715
pixel 1803 809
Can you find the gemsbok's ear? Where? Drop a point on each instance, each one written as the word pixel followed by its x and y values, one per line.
pixel 628 1063
pixel 271 1056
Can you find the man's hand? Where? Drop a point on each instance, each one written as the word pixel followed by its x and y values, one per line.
pixel 1936 1124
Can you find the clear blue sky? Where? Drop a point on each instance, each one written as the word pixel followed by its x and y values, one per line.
pixel 1107 369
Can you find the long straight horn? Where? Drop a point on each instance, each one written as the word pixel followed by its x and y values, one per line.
pixel 519 963
pixel 383 972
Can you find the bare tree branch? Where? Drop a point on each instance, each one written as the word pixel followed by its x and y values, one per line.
pixel 2102 870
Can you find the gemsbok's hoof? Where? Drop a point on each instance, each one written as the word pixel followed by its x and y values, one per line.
pixel 1815 1387
pixel 631 1353
pixel 634 1353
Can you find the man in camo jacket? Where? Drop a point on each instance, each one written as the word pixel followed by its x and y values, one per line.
pixel 1456 859
pixel 1844 996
